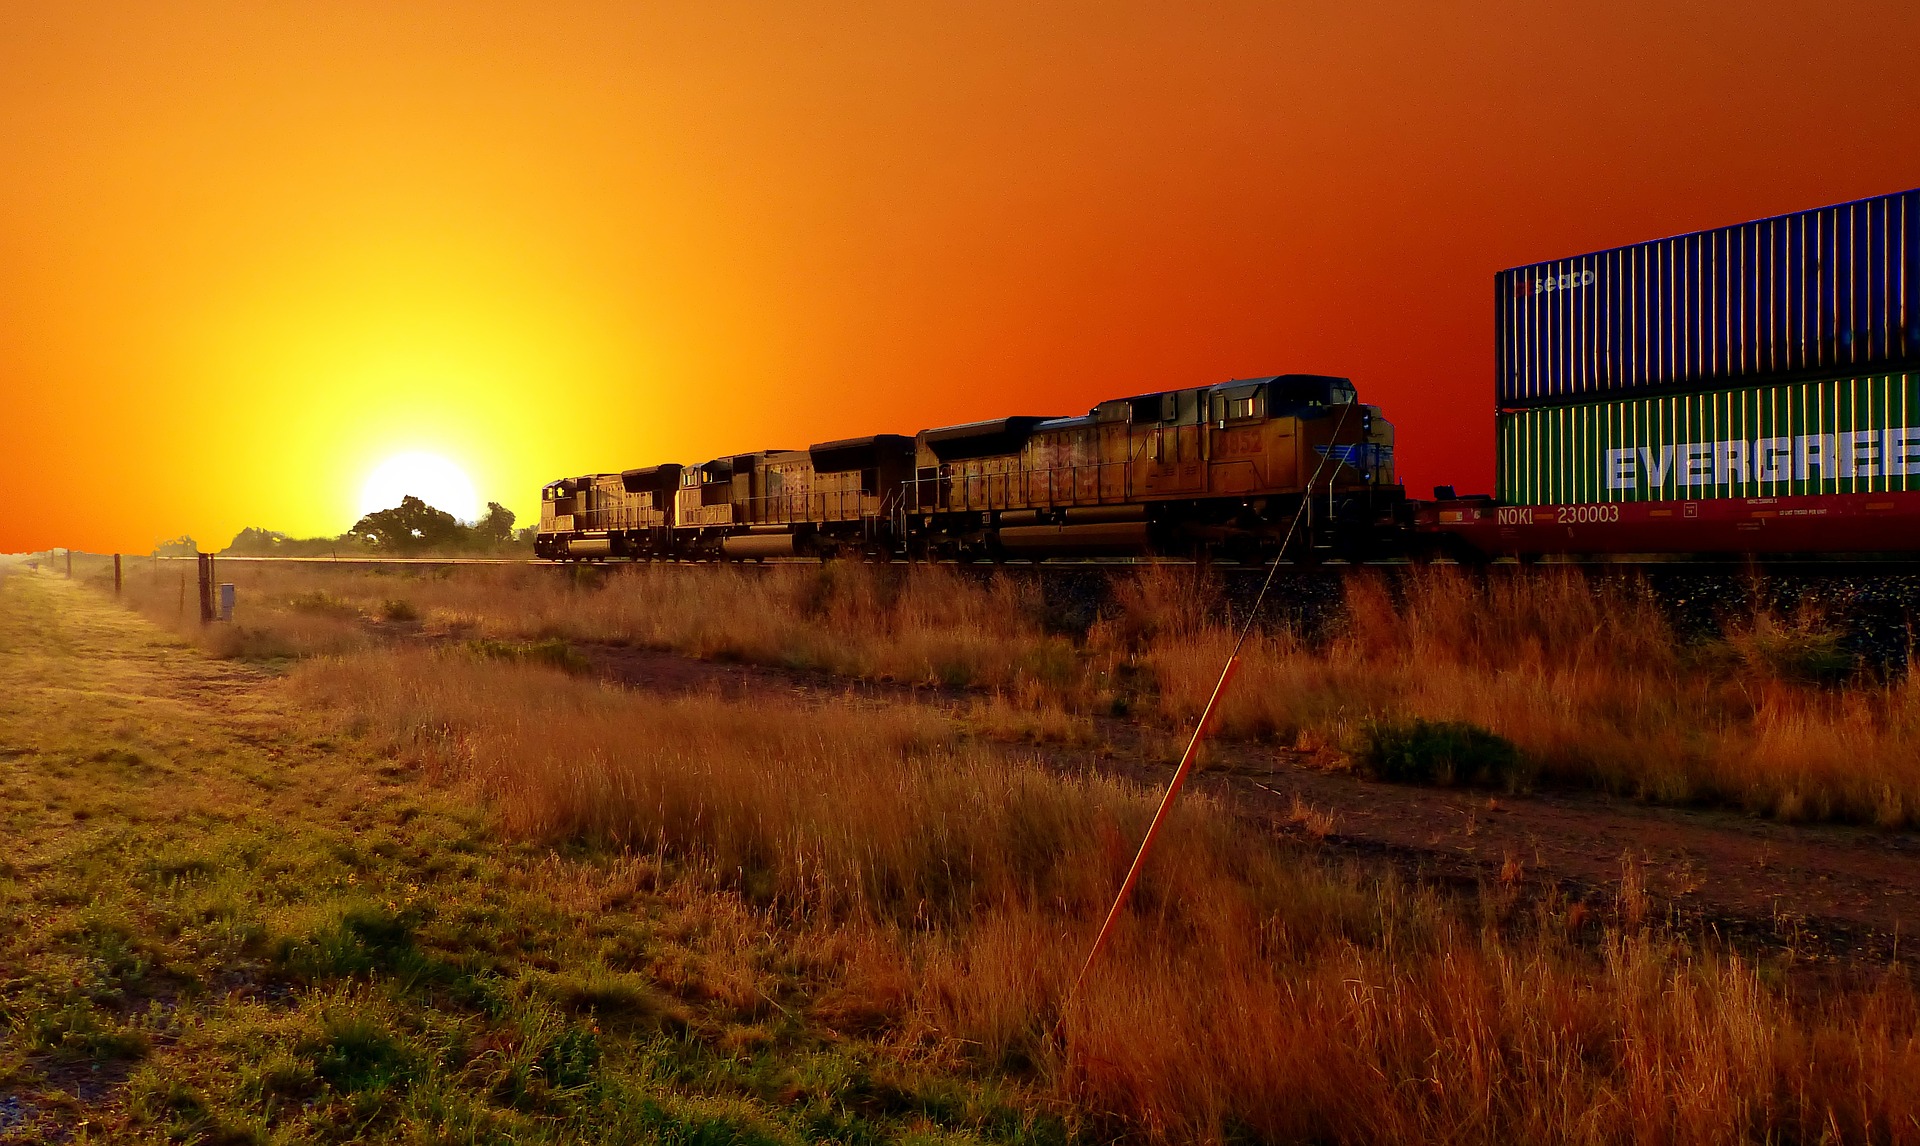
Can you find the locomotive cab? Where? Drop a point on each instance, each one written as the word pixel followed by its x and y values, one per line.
pixel 556 518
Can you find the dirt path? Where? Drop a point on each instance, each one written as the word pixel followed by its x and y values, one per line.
pixel 1829 891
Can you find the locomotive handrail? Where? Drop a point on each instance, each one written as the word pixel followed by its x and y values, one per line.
pixel 1037 488
pixel 797 507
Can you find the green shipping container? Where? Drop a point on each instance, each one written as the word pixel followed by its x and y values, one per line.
pixel 1848 435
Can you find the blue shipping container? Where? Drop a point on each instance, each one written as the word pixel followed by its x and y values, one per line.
pixel 1831 290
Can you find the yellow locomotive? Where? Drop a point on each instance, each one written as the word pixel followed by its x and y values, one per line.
pixel 1224 468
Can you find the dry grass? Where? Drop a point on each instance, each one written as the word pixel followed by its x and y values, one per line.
pixel 943 891
pixel 933 626
pixel 1254 991
pixel 1590 682
pixel 1587 679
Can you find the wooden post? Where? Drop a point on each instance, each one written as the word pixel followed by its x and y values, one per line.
pixel 69 564
pixel 206 588
pixel 116 574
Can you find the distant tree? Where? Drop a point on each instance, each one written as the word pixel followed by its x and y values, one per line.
pixel 181 546
pixel 496 527
pixel 256 541
pixel 411 526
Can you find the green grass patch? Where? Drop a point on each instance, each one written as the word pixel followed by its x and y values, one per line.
pixel 552 652
pixel 319 603
pixel 1443 752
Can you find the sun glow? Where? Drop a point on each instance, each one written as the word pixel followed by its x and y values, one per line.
pixel 431 478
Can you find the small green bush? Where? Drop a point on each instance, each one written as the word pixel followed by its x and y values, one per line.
pixel 1441 752
pixel 398 609
pixel 356 1052
pixel 1802 651
pixel 553 652
pixel 363 940
pixel 323 604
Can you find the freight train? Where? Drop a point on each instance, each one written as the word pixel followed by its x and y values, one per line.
pixel 1235 468
pixel 1752 389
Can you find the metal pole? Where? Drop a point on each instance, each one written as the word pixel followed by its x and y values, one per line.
pixel 116 574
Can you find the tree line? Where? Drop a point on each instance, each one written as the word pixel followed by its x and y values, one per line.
pixel 409 529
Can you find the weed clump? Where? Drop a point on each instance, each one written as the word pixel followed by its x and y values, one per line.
pixel 362 940
pixel 1801 651
pixel 399 610
pixel 552 652
pixel 355 1053
pixel 1443 752
pixel 320 603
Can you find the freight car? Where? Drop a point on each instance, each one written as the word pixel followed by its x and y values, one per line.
pixel 1223 468
pixel 1752 389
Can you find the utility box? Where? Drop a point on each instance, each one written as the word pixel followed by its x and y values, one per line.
pixel 226 600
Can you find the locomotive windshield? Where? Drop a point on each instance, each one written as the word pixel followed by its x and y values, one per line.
pixel 1312 390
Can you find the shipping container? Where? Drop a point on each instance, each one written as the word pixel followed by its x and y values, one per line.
pixel 1794 439
pixel 1822 292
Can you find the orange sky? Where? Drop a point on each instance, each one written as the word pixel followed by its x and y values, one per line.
pixel 249 250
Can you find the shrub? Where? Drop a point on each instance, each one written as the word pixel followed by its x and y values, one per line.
pixel 320 603
pixel 1441 752
pixel 355 1052
pixel 1803 651
pixel 553 652
pixel 397 609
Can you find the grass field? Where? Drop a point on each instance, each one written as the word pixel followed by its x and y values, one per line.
pixel 384 887
pixel 1587 682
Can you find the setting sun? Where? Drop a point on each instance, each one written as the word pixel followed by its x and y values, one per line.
pixel 431 478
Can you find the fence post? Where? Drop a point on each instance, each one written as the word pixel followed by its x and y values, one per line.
pixel 69 564
pixel 116 574
pixel 206 588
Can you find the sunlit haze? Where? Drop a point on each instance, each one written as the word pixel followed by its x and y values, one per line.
pixel 250 251
pixel 429 477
